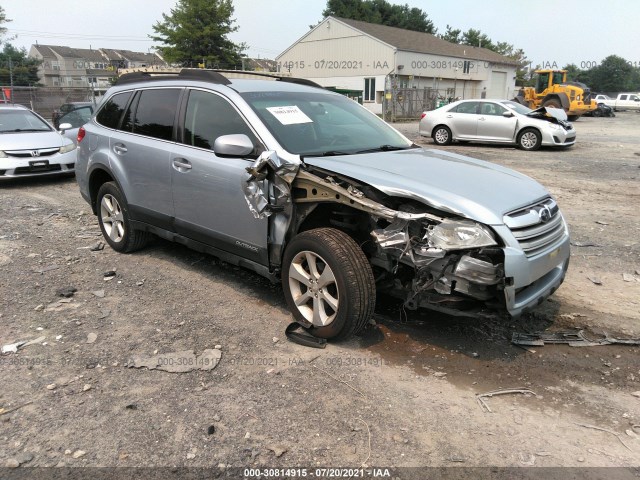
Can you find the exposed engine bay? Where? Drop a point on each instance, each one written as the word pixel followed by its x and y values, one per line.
pixel 426 257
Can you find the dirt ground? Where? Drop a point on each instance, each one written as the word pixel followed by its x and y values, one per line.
pixel 401 395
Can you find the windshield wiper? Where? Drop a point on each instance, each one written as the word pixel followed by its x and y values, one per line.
pixel 386 148
pixel 17 130
pixel 328 153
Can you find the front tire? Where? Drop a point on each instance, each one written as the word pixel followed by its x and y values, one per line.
pixel 328 283
pixel 529 139
pixel 114 220
pixel 441 135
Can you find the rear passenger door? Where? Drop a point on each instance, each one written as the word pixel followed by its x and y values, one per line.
pixel 210 206
pixel 141 154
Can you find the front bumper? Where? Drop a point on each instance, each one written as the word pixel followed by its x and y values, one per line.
pixel 531 279
pixel 559 138
pixel 57 164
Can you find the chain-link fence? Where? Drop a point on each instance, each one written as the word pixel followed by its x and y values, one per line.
pixel 45 100
pixel 409 103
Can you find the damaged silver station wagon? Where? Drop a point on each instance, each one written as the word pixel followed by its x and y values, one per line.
pixel 295 182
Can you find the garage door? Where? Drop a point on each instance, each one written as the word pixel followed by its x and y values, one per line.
pixel 498 88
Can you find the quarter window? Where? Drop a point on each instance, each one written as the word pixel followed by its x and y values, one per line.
pixel 210 116
pixel 111 112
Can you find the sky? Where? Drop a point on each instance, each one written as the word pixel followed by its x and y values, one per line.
pixel 552 33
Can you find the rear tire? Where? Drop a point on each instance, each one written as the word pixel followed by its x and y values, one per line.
pixel 114 220
pixel 529 139
pixel 441 135
pixel 328 283
pixel 573 118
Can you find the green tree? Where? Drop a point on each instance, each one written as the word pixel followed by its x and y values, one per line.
pixel 3 20
pixel 381 12
pixel 196 31
pixel 614 74
pixel 476 38
pixel 452 35
pixel 15 63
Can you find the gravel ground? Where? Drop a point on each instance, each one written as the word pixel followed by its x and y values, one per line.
pixel 401 395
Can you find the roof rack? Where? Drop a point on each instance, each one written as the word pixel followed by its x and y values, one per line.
pixel 186 73
pixel 211 76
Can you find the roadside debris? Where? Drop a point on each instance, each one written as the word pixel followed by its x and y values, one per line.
pixel 278 450
pixel 98 293
pixel 595 280
pixel 46 269
pixel 585 244
pixel 109 275
pixel 14 347
pixel 178 362
pixel 336 378
pixel 97 247
pixel 92 337
pixel 62 304
pixel 627 277
pixel 481 396
pixel 5 411
pixel 574 338
pixel 593 427
pixel 66 292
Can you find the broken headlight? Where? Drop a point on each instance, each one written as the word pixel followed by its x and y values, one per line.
pixel 460 234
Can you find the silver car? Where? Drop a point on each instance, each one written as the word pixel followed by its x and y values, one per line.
pixel 306 186
pixel 29 146
pixel 498 121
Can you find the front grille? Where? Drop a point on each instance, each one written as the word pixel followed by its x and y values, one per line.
pixel 45 152
pixel 44 168
pixel 537 227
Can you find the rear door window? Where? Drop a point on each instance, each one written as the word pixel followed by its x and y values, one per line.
pixel 155 113
pixel 466 107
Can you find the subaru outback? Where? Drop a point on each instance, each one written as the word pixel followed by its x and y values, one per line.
pixel 305 186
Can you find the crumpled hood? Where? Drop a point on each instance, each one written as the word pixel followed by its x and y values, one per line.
pixel 449 182
pixel 31 140
pixel 542 112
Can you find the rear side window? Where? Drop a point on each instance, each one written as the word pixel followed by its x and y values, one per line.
pixel 156 112
pixel 111 112
pixel 466 107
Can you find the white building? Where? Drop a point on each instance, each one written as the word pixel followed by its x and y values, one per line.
pixel 379 61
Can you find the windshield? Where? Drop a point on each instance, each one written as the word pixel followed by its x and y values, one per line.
pixel 516 107
pixel 13 121
pixel 314 124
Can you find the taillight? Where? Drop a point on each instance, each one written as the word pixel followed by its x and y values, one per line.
pixel 424 114
pixel 81 134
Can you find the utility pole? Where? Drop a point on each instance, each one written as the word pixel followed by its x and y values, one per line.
pixel 11 78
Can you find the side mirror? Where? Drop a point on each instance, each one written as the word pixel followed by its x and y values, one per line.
pixel 64 126
pixel 507 114
pixel 238 145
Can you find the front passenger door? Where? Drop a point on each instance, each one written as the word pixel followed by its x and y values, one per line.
pixel 492 125
pixel 209 203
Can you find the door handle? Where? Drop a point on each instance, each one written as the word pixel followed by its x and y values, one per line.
pixel 181 164
pixel 119 148
pixel 481 119
pixel 449 116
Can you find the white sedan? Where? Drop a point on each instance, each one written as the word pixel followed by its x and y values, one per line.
pixel 498 121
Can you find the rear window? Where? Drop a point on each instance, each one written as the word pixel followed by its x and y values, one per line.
pixel 111 112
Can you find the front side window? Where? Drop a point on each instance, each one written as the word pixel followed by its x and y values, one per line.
pixel 77 117
pixel 156 112
pixel 210 116
pixel 492 109
pixel 110 114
